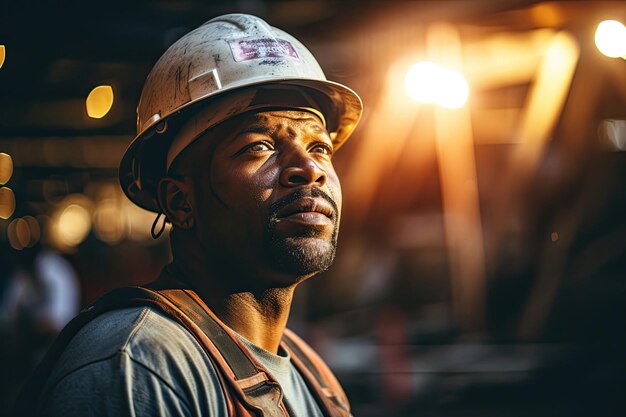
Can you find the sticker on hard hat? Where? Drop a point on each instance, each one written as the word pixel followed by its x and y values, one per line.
pixel 247 49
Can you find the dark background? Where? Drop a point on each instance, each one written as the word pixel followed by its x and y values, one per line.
pixel 482 259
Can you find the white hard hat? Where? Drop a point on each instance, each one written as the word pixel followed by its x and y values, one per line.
pixel 232 64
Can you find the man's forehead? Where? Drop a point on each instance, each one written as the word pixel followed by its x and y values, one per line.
pixel 272 116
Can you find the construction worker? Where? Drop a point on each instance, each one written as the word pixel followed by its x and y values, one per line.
pixel 237 126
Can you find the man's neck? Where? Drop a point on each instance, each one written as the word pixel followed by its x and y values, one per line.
pixel 260 316
pixel 260 319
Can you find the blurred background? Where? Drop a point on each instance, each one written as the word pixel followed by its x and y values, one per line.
pixel 481 268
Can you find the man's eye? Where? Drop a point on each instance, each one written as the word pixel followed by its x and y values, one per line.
pixel 258 147
pixel 322 148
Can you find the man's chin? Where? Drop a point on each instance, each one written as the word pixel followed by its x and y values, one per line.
pixel 302 256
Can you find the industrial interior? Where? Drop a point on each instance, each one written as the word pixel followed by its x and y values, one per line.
pixel 481 267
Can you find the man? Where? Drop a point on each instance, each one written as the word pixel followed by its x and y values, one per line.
pixel 237 126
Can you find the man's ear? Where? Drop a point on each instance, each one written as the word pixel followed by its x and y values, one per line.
pixel 175 198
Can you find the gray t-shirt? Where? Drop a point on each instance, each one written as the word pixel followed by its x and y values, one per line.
pixel 138 362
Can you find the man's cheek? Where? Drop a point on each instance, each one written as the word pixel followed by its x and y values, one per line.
pixel 335 193
pixel 264 196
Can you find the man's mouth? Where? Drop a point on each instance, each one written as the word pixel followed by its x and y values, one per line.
pixel 308 211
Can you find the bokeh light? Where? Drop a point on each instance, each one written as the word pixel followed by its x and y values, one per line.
pixel 71 222
pixel 23 232
pixel 554 236
pixel 110 221
pixel 427 82
pixel 2 55
pixel 611 38
pixel 99 101
pixel 6 168
pixel 7 203
pixel 34 231
pixel 12 236
pixel 74 224
pixel 19 234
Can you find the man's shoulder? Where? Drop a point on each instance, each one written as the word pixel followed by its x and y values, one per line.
pixel 139 358
pixel 147 336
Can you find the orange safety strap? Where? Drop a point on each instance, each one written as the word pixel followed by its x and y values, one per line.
pixel 250 382
pixel 318 377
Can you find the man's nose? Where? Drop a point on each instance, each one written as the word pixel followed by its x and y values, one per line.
pixel 302 169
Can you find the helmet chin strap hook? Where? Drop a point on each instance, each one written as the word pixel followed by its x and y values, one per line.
pixel 153 232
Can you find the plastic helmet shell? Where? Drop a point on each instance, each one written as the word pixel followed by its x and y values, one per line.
pixel 225 62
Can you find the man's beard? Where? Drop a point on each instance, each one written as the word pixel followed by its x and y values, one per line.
pixel 308 253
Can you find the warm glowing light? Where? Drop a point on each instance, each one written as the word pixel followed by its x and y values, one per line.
pixel 110 221
pixel 22 232
pixel 611 38
pixel 70 223
pixel 421 82
pixel 73 225
pixel 454 90
pixel 7 203
pixel 34 231
pixel 14 240
pixel 99 101
pixel 427 82
pixel 554 236
pixel 3 53
pixel 19 234
pixel 6 168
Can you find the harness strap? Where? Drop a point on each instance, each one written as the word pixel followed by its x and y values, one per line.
pixel 316 375
pixel 242 368
pixel 249 380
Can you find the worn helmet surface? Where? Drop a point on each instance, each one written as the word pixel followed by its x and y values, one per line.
pixel 231 64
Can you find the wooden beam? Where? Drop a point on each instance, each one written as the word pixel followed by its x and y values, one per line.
pixel 457 167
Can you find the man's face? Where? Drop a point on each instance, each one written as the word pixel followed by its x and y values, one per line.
pixel 270 200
